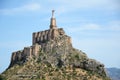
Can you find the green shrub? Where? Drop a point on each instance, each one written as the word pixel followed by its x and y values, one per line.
pixel 77 56
pixel 2 78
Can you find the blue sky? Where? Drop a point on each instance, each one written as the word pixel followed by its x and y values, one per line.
pixel 94 26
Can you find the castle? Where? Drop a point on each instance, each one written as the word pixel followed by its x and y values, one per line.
pixel 50 55
pixel 38 39
pixel 43 36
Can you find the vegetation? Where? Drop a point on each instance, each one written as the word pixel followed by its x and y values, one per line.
pixel 57 60
pixel 2 78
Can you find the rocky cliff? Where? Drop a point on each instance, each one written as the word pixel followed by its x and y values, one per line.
pixel 52 57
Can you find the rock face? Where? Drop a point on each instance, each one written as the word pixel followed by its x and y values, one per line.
pixel 50 55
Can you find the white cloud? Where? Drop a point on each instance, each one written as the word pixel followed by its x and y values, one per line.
pixel 110 26
pixel 24 8
pixel 106 7
pixel 31 7
pixel 66 5
pixel 103 4
pixel 90 26
pixel 114 25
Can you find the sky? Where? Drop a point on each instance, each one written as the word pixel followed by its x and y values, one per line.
pixel 94 26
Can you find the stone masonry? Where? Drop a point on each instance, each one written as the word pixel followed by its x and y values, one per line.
pixel 38 38
pixel 52 50
pixel 43 36
pixel 21 56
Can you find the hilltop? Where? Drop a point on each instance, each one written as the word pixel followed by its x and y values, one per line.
pixel 52 57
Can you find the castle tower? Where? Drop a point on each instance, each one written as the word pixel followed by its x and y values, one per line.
pixel 50 34
pixel 53 21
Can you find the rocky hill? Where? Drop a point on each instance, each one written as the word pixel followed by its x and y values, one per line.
pixel 52 57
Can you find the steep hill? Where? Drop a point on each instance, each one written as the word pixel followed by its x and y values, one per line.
pixel 52 57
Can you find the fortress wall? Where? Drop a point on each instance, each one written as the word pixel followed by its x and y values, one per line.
pixel 69 40
pixel 46 35
pixel 31 51
pixel 27 51
pixel 61 31
pixel 13 56
pixel 38 39
pixel 16 56
pixel 35 49
pixel 34 36
pixel 49 34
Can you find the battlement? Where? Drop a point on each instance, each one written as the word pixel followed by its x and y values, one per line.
pixel 51 34
pixel 22 55
pixel 43 36
pixel 38 38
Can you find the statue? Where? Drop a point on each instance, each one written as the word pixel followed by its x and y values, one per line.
pixel 53 13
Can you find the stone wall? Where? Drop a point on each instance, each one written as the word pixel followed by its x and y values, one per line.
pixel 43 36
pixel 21 56
pixel 35 50
pixel 39 38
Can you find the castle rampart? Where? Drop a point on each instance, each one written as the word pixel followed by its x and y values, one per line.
pixel 23 55
pixel 38 40
pixel 43 36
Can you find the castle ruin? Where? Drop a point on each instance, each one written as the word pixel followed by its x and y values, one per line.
pixel 38 39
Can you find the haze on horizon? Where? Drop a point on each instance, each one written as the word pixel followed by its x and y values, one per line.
pixel 94 26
